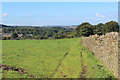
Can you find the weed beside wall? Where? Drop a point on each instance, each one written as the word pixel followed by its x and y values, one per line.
pixel 105 48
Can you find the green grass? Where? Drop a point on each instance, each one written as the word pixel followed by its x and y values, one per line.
pixel 46 59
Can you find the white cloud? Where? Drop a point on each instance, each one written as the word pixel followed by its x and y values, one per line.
pixel 5 14
pixel 99 15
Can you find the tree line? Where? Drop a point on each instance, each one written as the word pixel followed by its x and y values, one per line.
pixel 36 32
pixel 84 29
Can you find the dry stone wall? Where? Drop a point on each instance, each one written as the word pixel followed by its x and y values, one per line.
pixel 105 48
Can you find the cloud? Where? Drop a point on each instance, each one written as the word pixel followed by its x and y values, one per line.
pixel 5 14
pixel 99 15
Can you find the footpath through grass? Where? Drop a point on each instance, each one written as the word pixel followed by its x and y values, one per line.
pixel 63 58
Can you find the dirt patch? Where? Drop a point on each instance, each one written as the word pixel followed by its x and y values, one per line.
pixel 84 68
pixel 19 70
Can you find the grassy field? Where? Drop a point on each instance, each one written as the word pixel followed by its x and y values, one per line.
pixel 63 58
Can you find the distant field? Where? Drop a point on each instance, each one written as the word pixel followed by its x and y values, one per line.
pixel 63 58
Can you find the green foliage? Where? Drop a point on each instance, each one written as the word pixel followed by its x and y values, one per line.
pixel 83 30
pixel 110 26
pixel 37 32
pixel 4 38
pixel 98 29
pixel 78 28
pixel 35 37
pixel 14 35
pixel 86 30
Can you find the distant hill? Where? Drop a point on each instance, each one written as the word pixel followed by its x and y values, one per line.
pixel 69 26
pixel 2 25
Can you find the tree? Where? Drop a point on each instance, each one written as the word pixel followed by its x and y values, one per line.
pixel 111 26
pixel 4 38
pixel 86 30
pixel 98 29
pixel 14 35
pixel 78 28
pixel 35 37
pixel 8 38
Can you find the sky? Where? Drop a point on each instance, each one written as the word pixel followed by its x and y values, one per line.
pixel 58 13
pixel 60 0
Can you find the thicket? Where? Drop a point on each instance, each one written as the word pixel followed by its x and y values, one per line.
pixel 84 29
